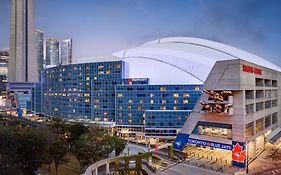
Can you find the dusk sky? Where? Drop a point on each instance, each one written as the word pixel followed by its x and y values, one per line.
pixel 100 27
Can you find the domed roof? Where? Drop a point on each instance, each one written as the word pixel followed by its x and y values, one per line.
pixel 182 60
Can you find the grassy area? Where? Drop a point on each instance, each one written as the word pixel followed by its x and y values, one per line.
pixel 71 167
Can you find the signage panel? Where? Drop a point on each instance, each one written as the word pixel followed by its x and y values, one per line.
pixel 209 144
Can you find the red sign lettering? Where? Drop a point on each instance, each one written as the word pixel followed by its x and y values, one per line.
pixel 251 69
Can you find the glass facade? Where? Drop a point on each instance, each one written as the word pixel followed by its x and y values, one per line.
pixel 154 106
pixel 101 92
pixel 82 90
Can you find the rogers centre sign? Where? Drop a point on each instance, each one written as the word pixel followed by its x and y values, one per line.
pixel 251 69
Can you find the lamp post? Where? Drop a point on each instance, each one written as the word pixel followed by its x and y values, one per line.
pixel 247 158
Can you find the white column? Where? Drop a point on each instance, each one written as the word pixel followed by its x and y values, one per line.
pixel 107 168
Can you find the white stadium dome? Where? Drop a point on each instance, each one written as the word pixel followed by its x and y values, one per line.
pixel 182 60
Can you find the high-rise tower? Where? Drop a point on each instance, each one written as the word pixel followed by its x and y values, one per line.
pixel 52 52
pixel 22 63
pixel 39 45
pixel 66 51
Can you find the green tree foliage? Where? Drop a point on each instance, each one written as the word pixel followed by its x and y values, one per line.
pixel 21 150
pixel 58 153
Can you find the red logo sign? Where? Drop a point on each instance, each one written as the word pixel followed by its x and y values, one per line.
pixel 238 154
pixel 251 69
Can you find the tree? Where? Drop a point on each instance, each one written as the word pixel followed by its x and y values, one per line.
pixel 58 152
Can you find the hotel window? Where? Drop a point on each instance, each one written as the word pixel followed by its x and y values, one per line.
pixel 56 109
pixel 259 106
pixel 87 83
pixel 151 101
pixel 129 107
pixel 100 67
pixel 120 95
pixel 274 118
pixel 87 95
pixel 185 101
pixel 87 78
pixel 175 108
pixel 162 88
pixel 176 101
pixel 162 107
pixel 139 107
pixel 130 114
pixel 118 66
pixel 105 119
pixel 249 108
pixel 176 95
pixel 197 88
pixel 105 113
pixel 259 125
pixel 108 72
pixel 130 121
pixel 186 95
pixel 141 101
pixel 250 129
pixel 151 95
pixel 97 119
pixel 87 100
pixel 267 121
pixel 130 101
pixel 120 107
pixel 274 103
pixel 164 101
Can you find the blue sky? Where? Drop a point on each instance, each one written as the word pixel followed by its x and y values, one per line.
pixel 100 27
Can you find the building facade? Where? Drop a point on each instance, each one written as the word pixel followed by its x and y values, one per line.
pixel 22 63
pixel 39 46
pixel 82 91
pixel 52 52
pixel 157 111
pixel 66 51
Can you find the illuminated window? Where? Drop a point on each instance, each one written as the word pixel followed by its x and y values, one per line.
pixel 185 101
pixel 164 101
pixel 56 109
pixel 151 95
pixel 186 95
pixel 87 78
pixel 73 110
pixel 151 101
pixel 101 67
pixel 162 88
pixel 97 119
pixel 130 114
pixel 120 95
pixel 175 108
pixel 95 106
pixel 130 121
pixel 105 119
pixel 130 101
pixel 120 107
pixel 105 113
pixel 129 107
pixel 87 100
pixel 163 108
pixel 87 83
pixel 197 88
pixel 108 72
pixel 139 107
pixel 141 101
pixel 118 66
pixel 176 95
pixel 176 101
pixel 87 95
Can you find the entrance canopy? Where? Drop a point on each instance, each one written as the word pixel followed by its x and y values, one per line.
pixel 274 135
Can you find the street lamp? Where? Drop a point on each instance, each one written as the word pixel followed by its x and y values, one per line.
pixel 247 157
